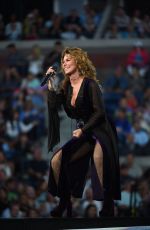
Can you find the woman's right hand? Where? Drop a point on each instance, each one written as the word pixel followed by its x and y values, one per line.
pixel 50 82
pixel 50 70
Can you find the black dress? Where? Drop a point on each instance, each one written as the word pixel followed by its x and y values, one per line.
pixel 77 153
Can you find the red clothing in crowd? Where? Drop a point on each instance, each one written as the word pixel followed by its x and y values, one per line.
pixel 138 57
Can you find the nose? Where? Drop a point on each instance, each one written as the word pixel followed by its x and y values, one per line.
pixel 64 65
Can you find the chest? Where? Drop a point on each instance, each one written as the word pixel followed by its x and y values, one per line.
pixel 78 102
pixel 74 95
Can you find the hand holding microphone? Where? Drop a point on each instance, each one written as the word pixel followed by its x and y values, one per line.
pixel 50 74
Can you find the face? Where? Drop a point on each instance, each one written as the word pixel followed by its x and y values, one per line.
pixel 69 65
pixel 92 212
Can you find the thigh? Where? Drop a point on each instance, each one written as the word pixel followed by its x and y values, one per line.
pixel 78 147
pixel 56 157
pixel 98 152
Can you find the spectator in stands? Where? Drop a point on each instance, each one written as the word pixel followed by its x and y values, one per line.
pixel 14 126
pixel 48 23
pixel 124 174
pixel 123 104
pixel 30 82
pixel 144 191
pixel 15 59
pixel 12 193
pixel 145 115
pixel 35 61
pixel 122 21
pixel 132 101
pixel 37 167
pixel 116 82
pixel 90 211
pixel 40 28
pixel 141 139
pixel 88 200
pixel 3 200
pixel 28 25
pixel 135 171
pixel 127 202
pixel 123 127
pixel 32 213
pixel 90 12
pixel 72 25
pixel 23 147
pixel 4 165
pixel 11 80
pixel 131 33
pixel 13 30
pixel 138 59
pixel 137 23
pixel 13 211
pixel 137 85
pixel 146 25
pixel 30 192
pixel 89 27
pixel 114 86
pixel 44 201
pixel 30 115
pixel 56 28
pixel 112 32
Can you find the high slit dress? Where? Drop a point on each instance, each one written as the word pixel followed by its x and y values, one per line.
pixel 77 153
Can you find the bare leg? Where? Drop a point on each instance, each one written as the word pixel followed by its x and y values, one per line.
pixel 65 202
pixel 98 161
pixel 108 204
pixel 55 163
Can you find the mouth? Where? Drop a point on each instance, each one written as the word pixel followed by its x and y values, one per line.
pixel 66 69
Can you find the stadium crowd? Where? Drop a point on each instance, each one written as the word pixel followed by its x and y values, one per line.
pixel 124 26
pixel 75 25
pixel 23 112
pixel 23 127
pixel 55 26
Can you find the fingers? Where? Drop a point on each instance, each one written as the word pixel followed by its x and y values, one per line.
pixel 77 133
pixel 50 70
pixel 74 133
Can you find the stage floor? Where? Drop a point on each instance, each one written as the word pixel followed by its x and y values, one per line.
pixel 75 223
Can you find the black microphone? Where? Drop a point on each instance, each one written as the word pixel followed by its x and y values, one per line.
pixel 49 75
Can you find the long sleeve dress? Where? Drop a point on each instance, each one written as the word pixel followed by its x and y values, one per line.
pixel 77 153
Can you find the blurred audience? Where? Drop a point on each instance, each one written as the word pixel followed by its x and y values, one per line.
pixel 138 60
pixel 35 26
pixel 24 166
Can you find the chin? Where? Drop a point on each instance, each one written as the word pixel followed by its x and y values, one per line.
pixel 68 73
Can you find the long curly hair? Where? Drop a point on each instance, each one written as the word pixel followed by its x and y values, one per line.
pixel 84 64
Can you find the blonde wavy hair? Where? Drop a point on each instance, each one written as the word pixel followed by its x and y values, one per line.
pixel 84 64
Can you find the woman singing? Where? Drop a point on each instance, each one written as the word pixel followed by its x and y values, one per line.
pixel 93 142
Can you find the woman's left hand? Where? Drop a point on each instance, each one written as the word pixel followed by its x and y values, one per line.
pixel 77 133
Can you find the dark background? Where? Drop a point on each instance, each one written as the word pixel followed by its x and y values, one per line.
pixel 22 7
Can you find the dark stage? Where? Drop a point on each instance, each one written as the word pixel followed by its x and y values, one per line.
pixel 73 223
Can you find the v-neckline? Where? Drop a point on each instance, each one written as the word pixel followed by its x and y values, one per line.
pixel 77 94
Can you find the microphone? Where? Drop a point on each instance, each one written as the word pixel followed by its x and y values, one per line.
pixel 49 75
